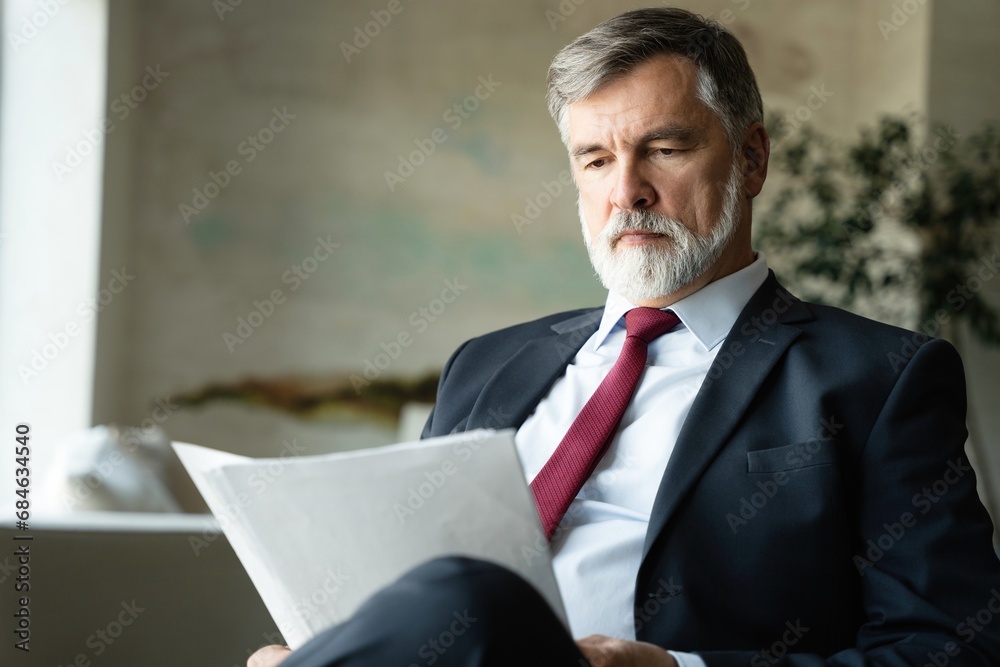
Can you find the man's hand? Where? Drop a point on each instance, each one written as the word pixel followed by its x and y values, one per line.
pixel 604 651
pixel 269 656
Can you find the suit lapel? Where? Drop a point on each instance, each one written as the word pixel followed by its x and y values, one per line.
pixel 757 341
pixel 516 388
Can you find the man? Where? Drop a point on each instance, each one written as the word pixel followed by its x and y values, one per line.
pixel 787 484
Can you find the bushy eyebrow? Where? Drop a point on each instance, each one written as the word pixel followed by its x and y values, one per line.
pixel 670 133
pixel 666 133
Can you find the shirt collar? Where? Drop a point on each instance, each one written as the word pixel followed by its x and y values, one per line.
pixel 709 313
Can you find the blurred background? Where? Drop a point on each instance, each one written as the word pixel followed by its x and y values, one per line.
pixel 263 227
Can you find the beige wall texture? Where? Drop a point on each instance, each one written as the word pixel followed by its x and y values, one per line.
pixel 355 104
pixel 352 111
pixel 336 120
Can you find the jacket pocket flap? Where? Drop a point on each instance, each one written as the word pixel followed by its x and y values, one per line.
pixel 793 457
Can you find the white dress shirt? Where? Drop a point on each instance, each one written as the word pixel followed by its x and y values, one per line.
pixel 598 547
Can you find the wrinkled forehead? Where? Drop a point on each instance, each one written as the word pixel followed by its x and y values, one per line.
pixel 659 96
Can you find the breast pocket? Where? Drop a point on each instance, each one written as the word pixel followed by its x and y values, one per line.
pixel 793 457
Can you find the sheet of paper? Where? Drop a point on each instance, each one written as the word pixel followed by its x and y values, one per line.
pixel 318 535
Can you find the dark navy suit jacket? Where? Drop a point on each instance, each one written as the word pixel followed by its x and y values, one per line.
pixel 818 508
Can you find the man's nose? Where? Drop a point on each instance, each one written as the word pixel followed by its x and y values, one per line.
pixel 632 189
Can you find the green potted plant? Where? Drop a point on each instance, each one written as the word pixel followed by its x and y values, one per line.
pixel 901 225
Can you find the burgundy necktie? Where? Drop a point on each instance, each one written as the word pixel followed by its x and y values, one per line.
pixel 588 437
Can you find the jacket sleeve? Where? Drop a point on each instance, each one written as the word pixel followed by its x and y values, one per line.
pixel 434 426
pixel 923 548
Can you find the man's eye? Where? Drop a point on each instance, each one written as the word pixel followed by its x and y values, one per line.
pixel 666 151
pixel 597 164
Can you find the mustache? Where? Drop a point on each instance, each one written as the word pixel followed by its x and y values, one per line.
pixel 640 220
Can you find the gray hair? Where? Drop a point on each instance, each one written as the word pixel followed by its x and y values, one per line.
pixel 726 83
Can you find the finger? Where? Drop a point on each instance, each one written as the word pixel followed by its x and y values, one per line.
pixel 269 656
pixel 597 650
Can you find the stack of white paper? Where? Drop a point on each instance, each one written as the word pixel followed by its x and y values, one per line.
pixel 319 534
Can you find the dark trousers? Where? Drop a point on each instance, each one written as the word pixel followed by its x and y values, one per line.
pixel 448 612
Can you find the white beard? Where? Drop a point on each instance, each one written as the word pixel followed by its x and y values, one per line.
pixel 649 271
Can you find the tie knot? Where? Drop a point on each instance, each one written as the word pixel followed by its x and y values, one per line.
pixel 649 323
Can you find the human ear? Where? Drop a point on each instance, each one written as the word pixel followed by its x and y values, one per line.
pixel 756 152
